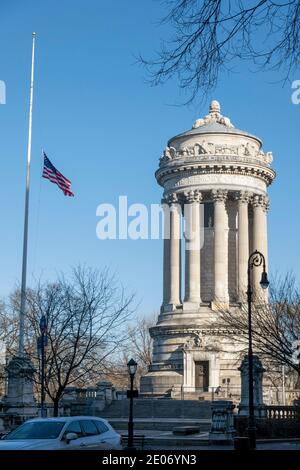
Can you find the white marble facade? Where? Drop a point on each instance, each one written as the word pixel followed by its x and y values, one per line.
pixel 215 179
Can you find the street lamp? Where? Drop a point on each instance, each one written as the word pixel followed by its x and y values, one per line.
pixel 42 342
pixel 132 367
pixel 255 259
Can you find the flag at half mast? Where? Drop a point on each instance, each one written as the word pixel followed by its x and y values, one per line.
pixel 53 175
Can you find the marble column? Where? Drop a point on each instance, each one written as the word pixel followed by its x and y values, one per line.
pixel 221 294
pixel 260 239
pixel 243 198
pixel 192 201
pixel 172 253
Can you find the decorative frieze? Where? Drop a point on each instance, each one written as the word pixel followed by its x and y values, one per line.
pixel 165 366
pixel 178 182
pixel 209 151
pixel 159 331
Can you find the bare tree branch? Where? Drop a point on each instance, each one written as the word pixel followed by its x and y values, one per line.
pixel 209 35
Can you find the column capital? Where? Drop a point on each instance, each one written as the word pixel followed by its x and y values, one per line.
pixel 259 200
pixel 219 195
pixel 171 198
pixel 243 196
pixel 192 196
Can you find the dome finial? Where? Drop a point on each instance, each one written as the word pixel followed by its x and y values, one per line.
pixel 214 107
pixel 213 116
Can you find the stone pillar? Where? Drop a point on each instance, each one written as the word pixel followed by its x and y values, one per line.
pixel 258 371
pixel 20 397
pixel 222 426
pixel 243 198
pixel 260 239
pixel 172 253
pixel 192 297
pixel 166 254
pixel 221 295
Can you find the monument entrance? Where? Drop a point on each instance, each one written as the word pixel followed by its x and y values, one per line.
pixel 202 375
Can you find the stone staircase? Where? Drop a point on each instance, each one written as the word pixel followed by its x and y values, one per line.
pixel 159 414
pixel 160 408
pixel 162 424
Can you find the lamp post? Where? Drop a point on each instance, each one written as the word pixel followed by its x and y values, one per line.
pixel 255 259
pixel 132 367
pixel 42 344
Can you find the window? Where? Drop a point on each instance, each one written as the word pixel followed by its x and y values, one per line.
pixel 37 430
pixel 88 427
pixel 75 427
pixel 208 214
pixel 101 427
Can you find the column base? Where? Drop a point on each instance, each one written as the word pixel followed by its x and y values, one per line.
pixel 191 306
pixel 167 308
pixel 219 305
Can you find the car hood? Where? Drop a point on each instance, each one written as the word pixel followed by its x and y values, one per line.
pixel 29 444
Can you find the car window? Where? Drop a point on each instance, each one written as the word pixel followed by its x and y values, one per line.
pixel 37 430
pixel 101 426
pixel 74 426
pixel 88 427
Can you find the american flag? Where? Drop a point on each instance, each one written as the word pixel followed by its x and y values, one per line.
pixel 53 175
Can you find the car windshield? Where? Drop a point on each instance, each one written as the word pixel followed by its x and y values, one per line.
pixel 37 430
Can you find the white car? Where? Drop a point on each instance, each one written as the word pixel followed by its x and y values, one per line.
pixel 65 433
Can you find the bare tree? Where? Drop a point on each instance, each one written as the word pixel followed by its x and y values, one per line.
pixel 209 35
pixel 140 341
pixel 139 347
pixel 275 325
pixel 87 318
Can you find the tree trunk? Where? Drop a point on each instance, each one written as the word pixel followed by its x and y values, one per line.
pixel 55 407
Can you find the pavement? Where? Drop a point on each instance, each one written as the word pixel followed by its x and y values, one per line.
pixel 166 440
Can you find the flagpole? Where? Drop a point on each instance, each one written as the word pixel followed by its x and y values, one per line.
pixel 25 236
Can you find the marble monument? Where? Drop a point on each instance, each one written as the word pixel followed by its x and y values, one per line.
pixel 215 179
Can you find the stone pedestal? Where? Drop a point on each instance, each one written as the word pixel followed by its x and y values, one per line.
pixel 258 371
pixel 20 398
pixel 222 429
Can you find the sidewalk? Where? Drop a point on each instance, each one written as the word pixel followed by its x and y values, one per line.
pixel 166 440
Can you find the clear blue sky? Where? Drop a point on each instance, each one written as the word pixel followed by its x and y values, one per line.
pixel 104 127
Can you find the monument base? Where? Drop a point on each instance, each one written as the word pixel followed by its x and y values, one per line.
pixel 20 398
pixel 160 383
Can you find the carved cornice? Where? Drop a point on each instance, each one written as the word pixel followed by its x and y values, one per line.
pixel 192 196
pixel 263 173
pixel 219 195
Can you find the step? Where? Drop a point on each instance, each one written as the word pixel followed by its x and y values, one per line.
pixel 186 430
pixel 159 408
pixel 160 424
pixel 169 441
